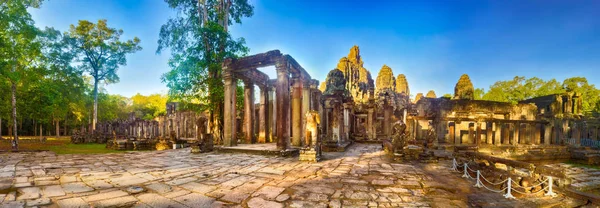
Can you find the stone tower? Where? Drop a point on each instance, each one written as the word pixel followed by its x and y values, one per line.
pixel 431 94
pixel 402 85
pixel 358 79
pixel 385 80
pixel 464 88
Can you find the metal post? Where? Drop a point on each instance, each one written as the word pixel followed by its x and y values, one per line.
pixel 465 175
pixel 478 183
pixel 454 164
pixel 508 195
pixel 550 193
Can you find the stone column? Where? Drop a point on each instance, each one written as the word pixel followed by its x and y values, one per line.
pixel 451 134
pixel 297 112
pixel 515 139
pixel 347 112
pixel 537 139
pixel 488 132
pixel 283 106
pixel 229 111
pixel 576 134
pixel 306 99
pixel 370 124
pixel 263 129
pixel 547 133
pixel 272 114
pixel 497 133
pixel 478 133
pixel 471 133
pixel 386 120
pixel 457 137
pixel 249 112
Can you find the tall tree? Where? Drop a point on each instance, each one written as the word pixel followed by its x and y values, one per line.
pixel 520 88
pixel 101 52
pixel 18 48
pixel 199 41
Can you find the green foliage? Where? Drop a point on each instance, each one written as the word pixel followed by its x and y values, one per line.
pixel 100 52
pixel 19 51
pixel 478 93
pixel 520 88
pixel 589 93
pixel 447 95
pixel 113 107
pixel 149 107
pixel 199 42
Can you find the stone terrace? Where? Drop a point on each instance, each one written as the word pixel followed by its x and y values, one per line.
pixel 361 177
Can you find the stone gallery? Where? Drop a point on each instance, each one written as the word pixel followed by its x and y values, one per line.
pixel 346 141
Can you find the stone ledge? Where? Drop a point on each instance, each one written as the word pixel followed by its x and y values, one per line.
pixel 258 149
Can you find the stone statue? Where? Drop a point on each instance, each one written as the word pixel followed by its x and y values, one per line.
pixel 399 136
pixel 312 128
pixel 205 140
pixel 312 151
pixel 431 135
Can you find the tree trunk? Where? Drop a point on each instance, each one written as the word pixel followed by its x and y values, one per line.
pixel 15 143
pixel 34 128
pixel 0 128
pixel 95 116
pixel 41 132
pixel 65 128
pixel 57 128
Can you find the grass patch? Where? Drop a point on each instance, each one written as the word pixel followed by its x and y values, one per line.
pixel 59 145
pixel 81 149
pixel 580 165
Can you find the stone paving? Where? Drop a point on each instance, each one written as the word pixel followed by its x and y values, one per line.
pixel 360 177
pixel 582 178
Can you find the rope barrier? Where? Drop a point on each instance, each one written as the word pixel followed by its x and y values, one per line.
pixel 495 184
pixel 509 182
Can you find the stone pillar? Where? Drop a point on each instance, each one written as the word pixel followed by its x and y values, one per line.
pixel 229 111
pixel 451 135
pixel 297 112
pixel 249 112
pixel 547 133
pixel 272 114
pixel 505 133
pixel 497 133
pixel 306 99
pixel 537 139
pixel 488 132
pixel 370 124
pixel 457 137
pixel 283 106
pixel 386 121
pixel 478 133
pixel 471 133
pixel 515 139
pixel 263 129
pixel 576 134
pixel 347 111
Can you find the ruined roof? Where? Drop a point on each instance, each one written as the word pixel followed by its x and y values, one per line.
pixel 542 101
pixel 241 66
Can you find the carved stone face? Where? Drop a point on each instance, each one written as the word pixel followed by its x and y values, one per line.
pixel 335 82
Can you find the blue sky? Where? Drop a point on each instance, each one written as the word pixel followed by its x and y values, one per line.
pixel 431 42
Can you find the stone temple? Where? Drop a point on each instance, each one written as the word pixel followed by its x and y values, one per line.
pixel 348 141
